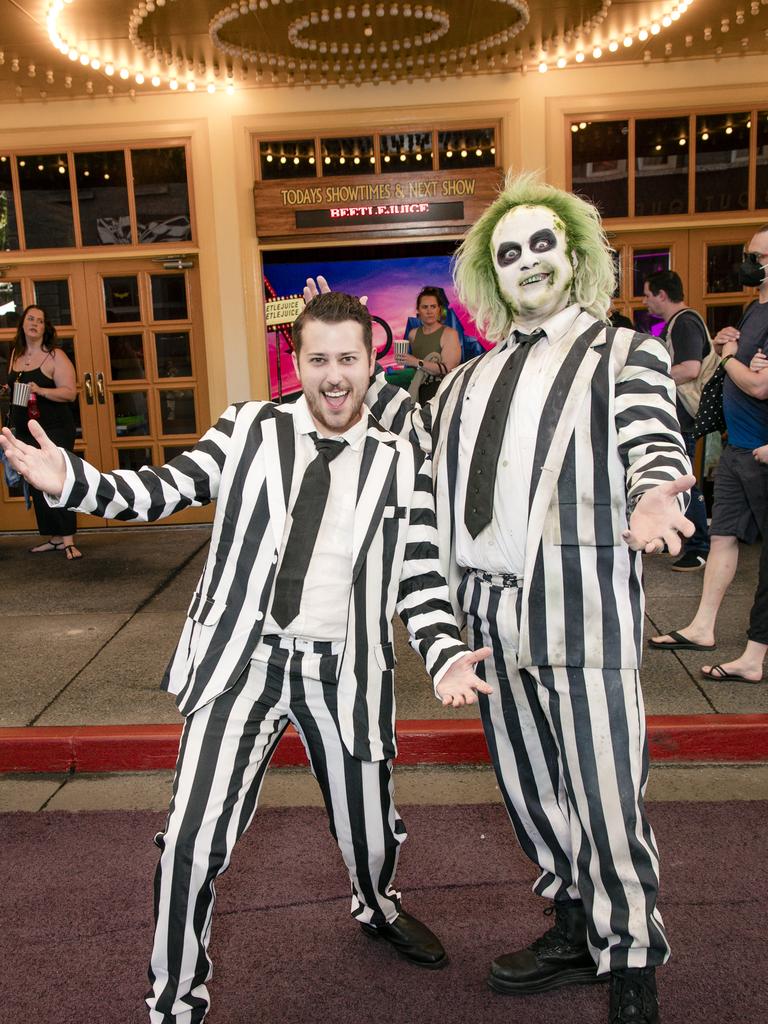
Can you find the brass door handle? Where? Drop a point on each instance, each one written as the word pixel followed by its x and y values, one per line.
pixel 88 386
pixel 100 387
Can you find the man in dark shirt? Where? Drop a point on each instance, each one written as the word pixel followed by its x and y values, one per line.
pixel 687 340
pixel 741 483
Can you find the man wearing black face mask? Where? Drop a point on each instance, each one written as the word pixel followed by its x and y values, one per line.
pixel 741 484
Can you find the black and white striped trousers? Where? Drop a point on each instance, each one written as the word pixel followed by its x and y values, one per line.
pixel 225 750
pixel 569 749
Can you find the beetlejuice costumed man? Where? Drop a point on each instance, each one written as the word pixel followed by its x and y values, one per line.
pixel 557 459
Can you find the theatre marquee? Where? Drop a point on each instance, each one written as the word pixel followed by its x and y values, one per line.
pixel 438 202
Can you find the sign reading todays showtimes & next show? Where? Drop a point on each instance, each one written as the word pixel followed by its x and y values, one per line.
pixel 441 200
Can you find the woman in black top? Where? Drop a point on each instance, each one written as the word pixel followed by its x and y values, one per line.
pixel 37 360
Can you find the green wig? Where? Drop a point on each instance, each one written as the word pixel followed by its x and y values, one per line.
pixel 474 269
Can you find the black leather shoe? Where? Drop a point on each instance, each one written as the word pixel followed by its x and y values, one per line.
pixel 559 957
pixel 634 999
pixel 412 940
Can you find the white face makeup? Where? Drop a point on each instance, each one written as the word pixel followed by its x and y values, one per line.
pixel 532 263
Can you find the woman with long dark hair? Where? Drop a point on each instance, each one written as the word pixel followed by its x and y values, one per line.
pixel 37 359
pixel 435 347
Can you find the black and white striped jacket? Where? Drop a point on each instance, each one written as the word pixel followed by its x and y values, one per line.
pixel 608 432
pixel 245 462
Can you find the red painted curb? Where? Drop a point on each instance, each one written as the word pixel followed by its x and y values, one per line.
pixel 115 748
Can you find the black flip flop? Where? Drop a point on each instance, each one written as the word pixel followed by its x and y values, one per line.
pixel 681 643
pixel 726 677
pixel 45 547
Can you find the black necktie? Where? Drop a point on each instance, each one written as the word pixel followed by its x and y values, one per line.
pixel 307 516
pixel 478 508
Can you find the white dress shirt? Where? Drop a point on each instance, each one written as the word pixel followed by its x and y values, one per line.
pixel 500 547
pixel 324 608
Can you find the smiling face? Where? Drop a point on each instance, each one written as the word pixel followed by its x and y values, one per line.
pixel 532 262
pixel 335 369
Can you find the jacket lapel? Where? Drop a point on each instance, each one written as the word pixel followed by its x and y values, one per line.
pixel 279 450
pixel 376 471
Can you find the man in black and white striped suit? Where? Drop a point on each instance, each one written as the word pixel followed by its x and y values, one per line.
pixel 541 449
pixel 273 636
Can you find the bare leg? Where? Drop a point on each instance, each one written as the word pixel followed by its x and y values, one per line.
pixel 720 570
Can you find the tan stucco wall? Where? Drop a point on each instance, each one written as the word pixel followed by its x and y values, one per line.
pixel 530 108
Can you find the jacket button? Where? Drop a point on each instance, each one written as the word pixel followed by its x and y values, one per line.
pixel 259 616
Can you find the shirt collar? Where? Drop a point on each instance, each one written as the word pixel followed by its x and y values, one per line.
pixel 556 327
pixel 304 424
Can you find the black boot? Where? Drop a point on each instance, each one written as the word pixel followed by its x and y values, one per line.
pixel 559 957
pixel 634 999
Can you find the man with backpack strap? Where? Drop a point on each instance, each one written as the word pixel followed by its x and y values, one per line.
pixel 694 360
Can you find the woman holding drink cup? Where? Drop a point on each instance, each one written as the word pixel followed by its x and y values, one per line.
pixel 435 348
pixel 41 380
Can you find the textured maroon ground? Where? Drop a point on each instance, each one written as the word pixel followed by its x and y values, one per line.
pixel 75 910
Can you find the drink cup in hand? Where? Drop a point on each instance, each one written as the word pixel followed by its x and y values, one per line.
pixel 20 393
pixel 401 351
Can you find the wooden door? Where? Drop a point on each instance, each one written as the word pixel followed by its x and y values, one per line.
pixel 133 330
pixel 639 254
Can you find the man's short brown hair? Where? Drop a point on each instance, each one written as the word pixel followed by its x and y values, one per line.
pixel 334 308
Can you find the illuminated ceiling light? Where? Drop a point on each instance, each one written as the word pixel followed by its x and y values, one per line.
pixel 682 142
pixel 582 125
pixel 106 176
pixel 230 88
pixel 312 160
pixel 543 68
pixel 210 88
pixel 342 160
pixel 579 58
pixel 561 62
pixel 373 159
pixel 403 157
pixel 419 156
pixel 449 153
pixel 138 78
pixel 613 46
pixel 628 40
pixel 705 136
pixel 666 21
pixel 597 53
pixel 493 151
pixel 40 167
pixel 95 63
pixel 463 153
pixel 574 128
pixel 270 158
pixel 191 85
pixel 85 60
pixel 124 72
pixel 749 123
pixel 109 69
pixel 675 15
pixel 658 147
pixel 86 174
pixel 478 152
pixel 729 130
pixel 156 80
pixel 296 160
pixel 283 159
pixel 327 160
pixel 387 158
pixel 655 28
pixel 173 84
pixel 62 169
pixel 73 54
pixel 642 35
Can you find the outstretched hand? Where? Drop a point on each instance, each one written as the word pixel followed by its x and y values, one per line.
pixel 44 467
pixel 320 286
pixel 460 685
pixel 657 520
